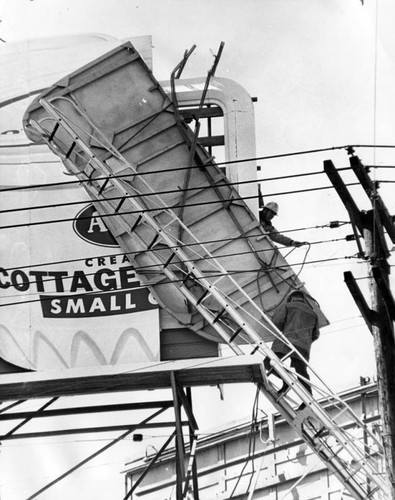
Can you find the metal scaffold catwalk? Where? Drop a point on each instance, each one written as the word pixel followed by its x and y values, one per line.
pixel 114 128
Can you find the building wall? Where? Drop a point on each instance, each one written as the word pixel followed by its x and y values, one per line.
pixel 242 461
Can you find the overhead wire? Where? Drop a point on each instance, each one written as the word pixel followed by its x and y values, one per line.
pixel 144 195
pixel 180 190
pixel 146 267
pixel 43 277
pixel 165 282
pixel 138 174
pixel 176 169
pixel 168 207
pixel 140 195
pixel 265 157
pixel 180 245
pixel 174 191
pixel 251 445
pixel 143 210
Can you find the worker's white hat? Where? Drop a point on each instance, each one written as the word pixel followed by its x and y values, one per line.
pixel 273 206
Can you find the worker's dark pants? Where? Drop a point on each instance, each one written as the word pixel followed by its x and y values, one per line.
pixel 297 364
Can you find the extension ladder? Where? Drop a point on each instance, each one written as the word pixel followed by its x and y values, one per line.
pixel 107 179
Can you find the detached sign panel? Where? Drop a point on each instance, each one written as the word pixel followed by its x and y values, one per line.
pixel 184 227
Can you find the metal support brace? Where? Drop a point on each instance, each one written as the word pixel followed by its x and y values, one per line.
pixel 95 454
pixel 180 449
pixel 197 128
pixel 192 439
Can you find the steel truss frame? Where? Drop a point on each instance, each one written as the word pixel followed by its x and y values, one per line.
pixel 174 376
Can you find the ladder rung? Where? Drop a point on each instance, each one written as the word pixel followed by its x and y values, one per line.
pixel 172 255
pixel 136 223
pixel 254 350
pixel 235 334
pixel 120 204
pixel 319 433
pixel 375 490
pixel 218 316
pixel 155 239
pixel 70 150
pixel 103 186
pixel 202 297
pixel 89 170
pixel 55 129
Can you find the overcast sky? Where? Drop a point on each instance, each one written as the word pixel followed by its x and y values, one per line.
pixel 323 74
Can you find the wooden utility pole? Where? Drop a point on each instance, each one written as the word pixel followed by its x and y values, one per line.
pixel 384 342
pixel 381 313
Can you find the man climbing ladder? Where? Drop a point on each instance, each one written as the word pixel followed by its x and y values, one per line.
pixel 299 323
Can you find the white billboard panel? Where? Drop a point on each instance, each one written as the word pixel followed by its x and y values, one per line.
pixel 68 296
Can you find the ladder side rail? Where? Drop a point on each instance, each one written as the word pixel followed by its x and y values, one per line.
pixel 192 269
pixel 275 331
pixel 326 453
pixel 169 240
pixel 58 115
pixel 172 277
pixel 196 273
pixel 337 401
pixel 250 332
pixel 191 297
pixel 180 253
pixel 102 140
pixel 345 473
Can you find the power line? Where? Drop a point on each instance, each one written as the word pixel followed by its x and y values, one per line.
pixel 165 249
pixel 156 193
pixel 137 174
pixel 228 162
pixel 164 282
pixel 379 166
pixel 181 245
pixel 41 289
pixel 167 207
pixel 171 191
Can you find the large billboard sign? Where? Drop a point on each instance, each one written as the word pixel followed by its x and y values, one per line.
pixel 68 295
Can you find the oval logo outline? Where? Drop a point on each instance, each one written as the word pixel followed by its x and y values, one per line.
pixel 84 221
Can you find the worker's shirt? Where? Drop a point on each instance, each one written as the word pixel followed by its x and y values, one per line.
pixel 299 323
pixel 275 235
